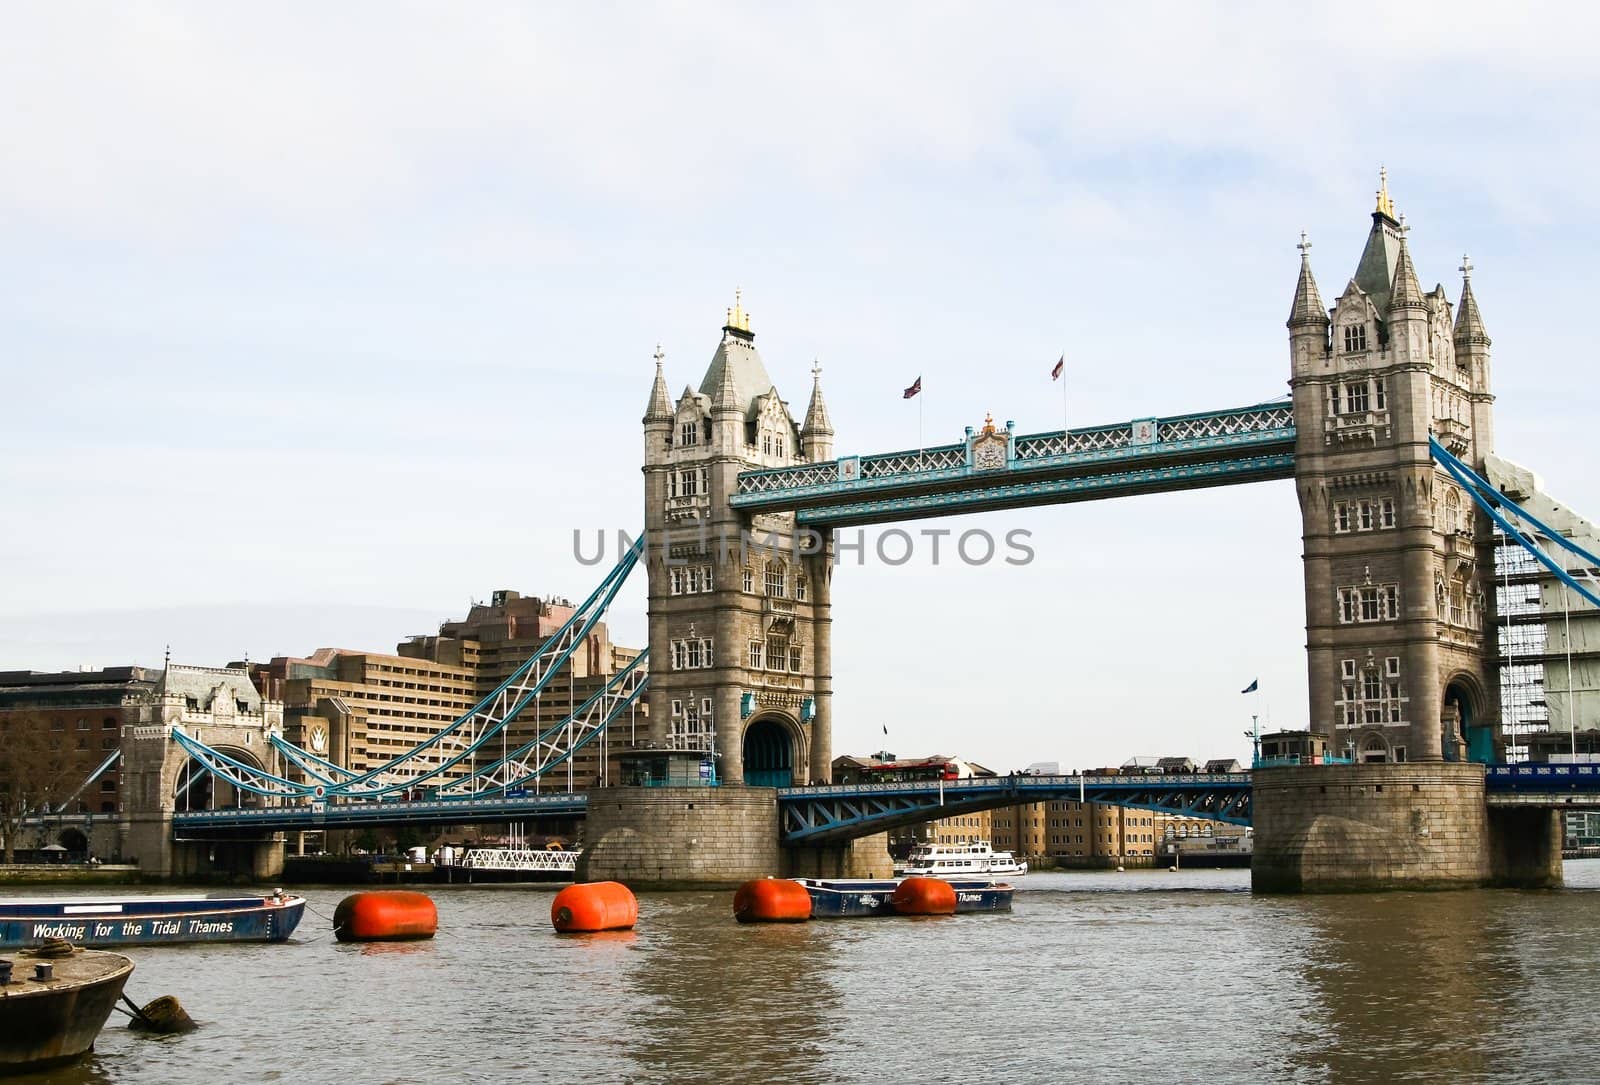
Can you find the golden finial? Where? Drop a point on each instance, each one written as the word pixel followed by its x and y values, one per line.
pixel 737 317
pixel 988 421
pixel 1385 203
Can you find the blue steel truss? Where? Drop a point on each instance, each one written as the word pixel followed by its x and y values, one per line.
pixel 1215 448
pixel 839 812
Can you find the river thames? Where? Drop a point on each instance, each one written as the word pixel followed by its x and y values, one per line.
pixel 1146 976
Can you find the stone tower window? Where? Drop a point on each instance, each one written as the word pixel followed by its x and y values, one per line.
pixel 749 581
pixel 688 434
pixel 776 580
pixel 1355 337
pixel 1356 398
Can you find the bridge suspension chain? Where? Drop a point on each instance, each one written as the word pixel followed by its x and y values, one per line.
pixel 1502 510
pixel 465 736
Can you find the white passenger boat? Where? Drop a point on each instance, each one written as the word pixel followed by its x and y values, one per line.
pixel 976 859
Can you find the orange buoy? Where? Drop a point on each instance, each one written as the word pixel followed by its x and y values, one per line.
pixel 594 906
pixel 385 915
pixel 772 900
pixel 924 896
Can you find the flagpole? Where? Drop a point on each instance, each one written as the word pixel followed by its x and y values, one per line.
pixel 920 445
pixel 1066 434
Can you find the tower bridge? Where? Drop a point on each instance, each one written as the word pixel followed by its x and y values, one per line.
pixel 1387 433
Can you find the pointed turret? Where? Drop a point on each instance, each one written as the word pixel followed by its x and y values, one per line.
pixel 725 397
pixel 660 408
pixel 1307 308
pixel 1469 322
pixel 1406 292
pixel 816 436
pixel 1375 272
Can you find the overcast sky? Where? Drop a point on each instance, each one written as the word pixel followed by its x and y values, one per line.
pixel 317 322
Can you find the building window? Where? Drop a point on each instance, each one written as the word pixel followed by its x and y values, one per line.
pixel 1368 514
pixel 755 655
pixel 679 581
pixel 83 725
pixel 800 588
pixel 776 583
pixel 1369 604
pixel 749 581
pixel 794 658
pixel 1355 337
pixel 688 433
pixel 688 483
pixel 1374 698
pixel 1380 394
pixel 777 446
pixel 777 653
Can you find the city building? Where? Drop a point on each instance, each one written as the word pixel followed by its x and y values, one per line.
pixel 86 709
pixel 493 640
pixel 362 709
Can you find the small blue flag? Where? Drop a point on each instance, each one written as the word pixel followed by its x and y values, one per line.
pixel 1251 688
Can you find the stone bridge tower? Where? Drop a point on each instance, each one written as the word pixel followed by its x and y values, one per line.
pixel 740 655
pixel 1398 563
pixel 1400 629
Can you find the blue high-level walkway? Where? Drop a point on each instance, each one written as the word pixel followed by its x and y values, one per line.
pixel 1213 448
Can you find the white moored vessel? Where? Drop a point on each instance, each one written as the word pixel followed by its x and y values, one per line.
pixel 960 861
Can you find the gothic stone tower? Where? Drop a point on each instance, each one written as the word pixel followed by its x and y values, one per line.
pixel 739 605
pixel 1398 582
pixel 1398 565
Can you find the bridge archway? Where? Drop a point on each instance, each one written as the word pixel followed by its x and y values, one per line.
pixel 769 752
pixel 1373 749
pixel 74 841
pixel 1463 701
pixel 197 789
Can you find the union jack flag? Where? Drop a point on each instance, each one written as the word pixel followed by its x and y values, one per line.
pixel 916 386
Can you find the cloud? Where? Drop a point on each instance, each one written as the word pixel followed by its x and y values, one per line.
pixel 153 116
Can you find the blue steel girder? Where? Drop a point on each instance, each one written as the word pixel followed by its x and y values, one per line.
pixel 1540 784
pixel 337 815
pixel 836 813
pixel 1245 444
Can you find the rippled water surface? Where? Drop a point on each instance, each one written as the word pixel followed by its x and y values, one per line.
pixel 1139 977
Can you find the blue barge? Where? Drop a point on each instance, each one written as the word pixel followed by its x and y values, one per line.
pixel 150 921
pixel 846 898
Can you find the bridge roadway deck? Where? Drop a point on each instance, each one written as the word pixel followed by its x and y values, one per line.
pixel 838 812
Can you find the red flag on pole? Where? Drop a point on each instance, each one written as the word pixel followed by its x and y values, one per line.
pixel 1055 374
pixel 916 386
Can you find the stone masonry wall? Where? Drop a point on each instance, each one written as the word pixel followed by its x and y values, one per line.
pixel 666 837
pixel 1332 828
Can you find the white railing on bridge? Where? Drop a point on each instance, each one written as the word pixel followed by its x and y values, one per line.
pixel 529 860
pixel 1026 783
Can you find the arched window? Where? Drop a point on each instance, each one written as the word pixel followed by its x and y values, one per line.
pixel 776 580
pixel 1452 511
